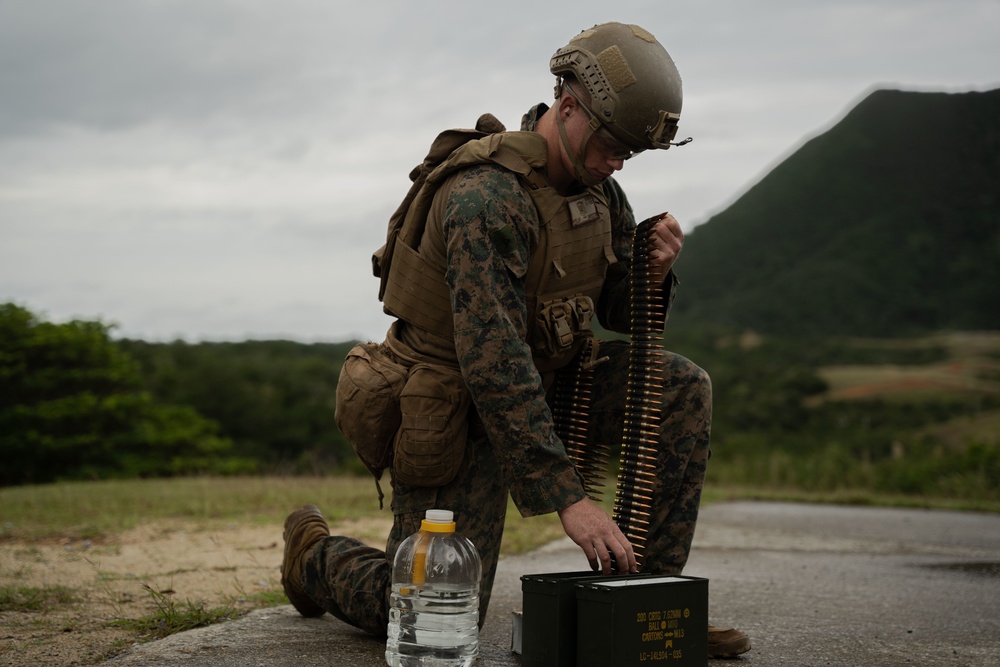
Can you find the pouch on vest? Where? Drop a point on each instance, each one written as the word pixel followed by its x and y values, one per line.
pixel 560 322
pixel 367 411
pixel 430 443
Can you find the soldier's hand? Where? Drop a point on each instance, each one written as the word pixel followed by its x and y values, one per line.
pixel 600 538
pixel 666 240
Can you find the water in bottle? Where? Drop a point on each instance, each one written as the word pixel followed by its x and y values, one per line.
pixel 434 609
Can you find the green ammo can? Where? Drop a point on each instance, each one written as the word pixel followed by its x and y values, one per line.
pixel 549 616
pixel 659 621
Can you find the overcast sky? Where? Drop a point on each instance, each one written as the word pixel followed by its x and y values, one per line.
pixel 222 170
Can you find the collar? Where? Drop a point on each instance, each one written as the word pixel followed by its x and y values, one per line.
pixel 530 120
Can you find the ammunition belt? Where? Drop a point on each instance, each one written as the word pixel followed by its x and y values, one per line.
pixel 640 435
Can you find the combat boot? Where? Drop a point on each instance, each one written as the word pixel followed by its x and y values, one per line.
pixel 304 528
pixel 726 642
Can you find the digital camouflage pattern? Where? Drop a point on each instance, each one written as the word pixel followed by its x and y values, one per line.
pixel 489 227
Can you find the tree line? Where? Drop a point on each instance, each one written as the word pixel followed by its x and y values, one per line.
pixel 775 427
pixel 274 399
pixel 77 404
pixel 73 406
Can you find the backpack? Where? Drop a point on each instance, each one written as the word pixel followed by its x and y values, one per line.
pixel 444 145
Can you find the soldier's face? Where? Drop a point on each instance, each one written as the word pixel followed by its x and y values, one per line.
pixel 604 156
pixel 589 153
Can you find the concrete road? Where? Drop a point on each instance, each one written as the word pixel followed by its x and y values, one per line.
pixel 813 586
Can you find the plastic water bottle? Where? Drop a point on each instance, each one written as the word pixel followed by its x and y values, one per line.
pixel 434 608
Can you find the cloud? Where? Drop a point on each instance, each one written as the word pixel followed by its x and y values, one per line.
pixel 224 170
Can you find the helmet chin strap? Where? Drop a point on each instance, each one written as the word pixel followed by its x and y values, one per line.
pixel 579 170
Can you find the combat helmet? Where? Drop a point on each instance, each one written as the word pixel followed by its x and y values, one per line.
pixel 633 84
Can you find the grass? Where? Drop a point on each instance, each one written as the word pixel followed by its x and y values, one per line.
pixel 171 616
pixel 91 510
pixel 970 368
pixel 100 510
pixel 34 598
pixel 845 497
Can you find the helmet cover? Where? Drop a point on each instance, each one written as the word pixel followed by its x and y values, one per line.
pixel 632 82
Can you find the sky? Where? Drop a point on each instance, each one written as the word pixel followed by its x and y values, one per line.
pixel 223 169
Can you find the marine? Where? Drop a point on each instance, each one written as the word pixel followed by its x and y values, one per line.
pixel 496 264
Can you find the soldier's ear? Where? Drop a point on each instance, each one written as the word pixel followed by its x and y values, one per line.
pixel 567 104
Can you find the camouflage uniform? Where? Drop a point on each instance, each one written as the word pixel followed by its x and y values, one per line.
pixel 514 433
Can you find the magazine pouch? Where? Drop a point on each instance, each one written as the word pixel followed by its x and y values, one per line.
pixel 367 411
pixel 430 443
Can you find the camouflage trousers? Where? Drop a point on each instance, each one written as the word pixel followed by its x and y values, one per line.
pixel 352 581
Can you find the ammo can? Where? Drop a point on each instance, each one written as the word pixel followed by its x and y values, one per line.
pixel 656 621
pixel 549 617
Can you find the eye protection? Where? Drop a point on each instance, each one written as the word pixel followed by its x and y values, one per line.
pixel 611 146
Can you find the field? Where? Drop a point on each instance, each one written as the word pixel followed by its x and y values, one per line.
pixel 972 366
pixel 90 568
pixel 913 418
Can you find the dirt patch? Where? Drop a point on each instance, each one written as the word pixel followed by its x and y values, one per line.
pixel 79 590
pixel 852 382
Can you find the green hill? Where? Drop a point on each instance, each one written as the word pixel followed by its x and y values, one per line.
pixel 887 224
